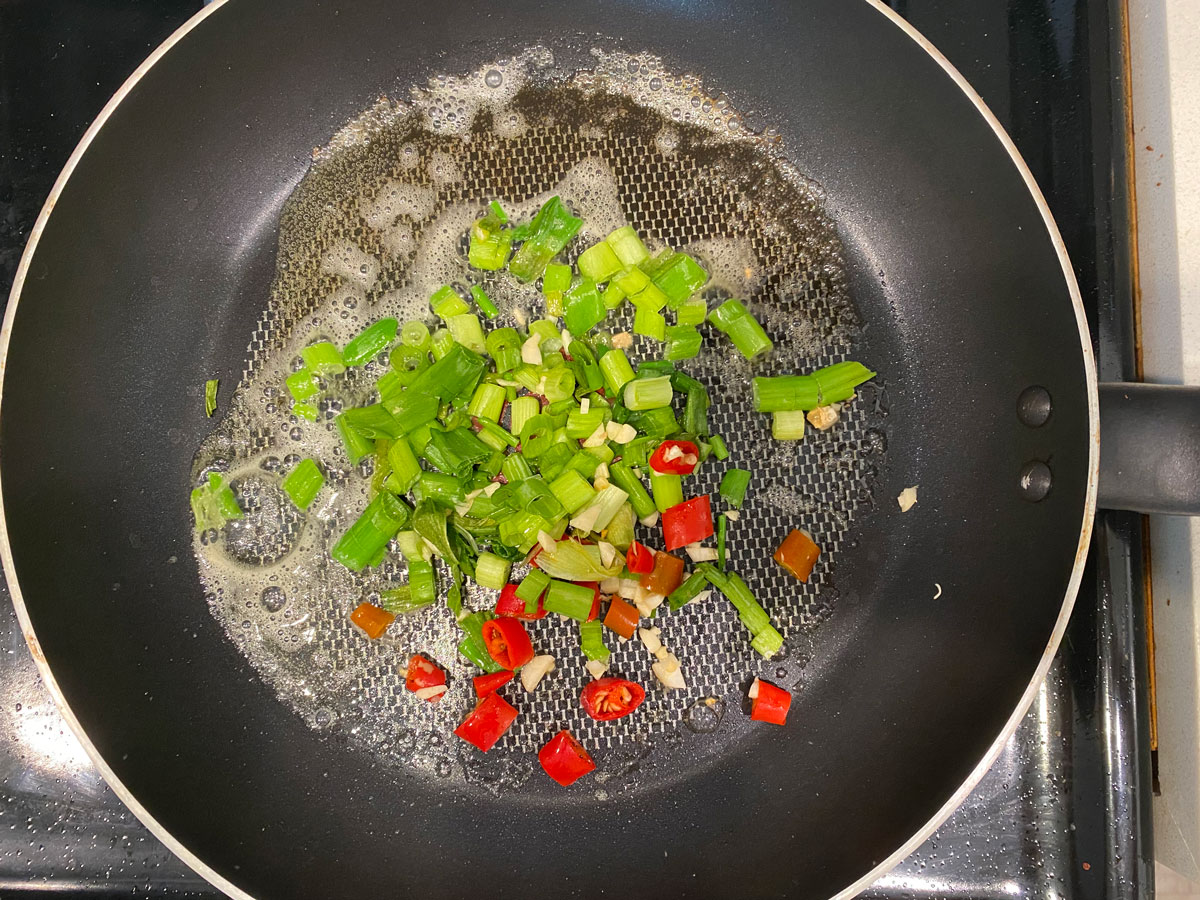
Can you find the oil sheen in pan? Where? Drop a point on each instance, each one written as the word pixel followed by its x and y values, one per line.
pixel 376 226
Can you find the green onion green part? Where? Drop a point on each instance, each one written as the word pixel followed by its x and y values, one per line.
pixel 832 384
pixel 210 396
pixel 303 482
pixel 591 641
pixel 667 490
pixel 571 600
pixel 648 393
pixel 491 571
pixel 787 425
pixel 369 535
pixel 323 358
pixel 484 302
pixel 370 342
pixel 733 487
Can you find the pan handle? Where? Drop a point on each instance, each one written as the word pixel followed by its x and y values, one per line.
pixel 1150 448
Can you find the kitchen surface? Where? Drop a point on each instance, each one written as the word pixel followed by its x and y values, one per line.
pixel 1069 810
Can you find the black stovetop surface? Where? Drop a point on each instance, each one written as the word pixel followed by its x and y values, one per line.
pixel 1064 813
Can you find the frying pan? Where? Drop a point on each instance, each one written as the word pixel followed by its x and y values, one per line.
pixel 148 268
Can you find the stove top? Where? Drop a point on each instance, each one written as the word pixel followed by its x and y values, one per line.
pixel 1065 811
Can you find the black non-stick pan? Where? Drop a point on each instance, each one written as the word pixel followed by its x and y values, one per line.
pixel 150 267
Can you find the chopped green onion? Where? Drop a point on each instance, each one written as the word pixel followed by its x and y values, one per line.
pixel 832 384
pixel 412 545
pixel 722 525
pixel 490 467
pixel 693 312
pixel 210 396
pixel 679 276
pixel 441 342
pixel 301 385
pixel 648 393
pixel 627 246
pixel 454 452
pixel 454 374
pixel 421 582
pixel 303 482
pixel 649 299
pixel 749 610
pixel 695 411
pixel 415 334
pixel 213 503
pixel 732 318
pixel 656 423
pixel 407 365
pixel 683 342
pixel 767 642
pixel 372 421
pixel 617 371
pixel 636 454
pixel 370 533
pixel 411 411
pixel 667 490
pixel 504 346
pixel 598 262
pixel 536 436
pixel 405 468
pixel 572 491
pixel 571 600
pixel 733 487
pixel 719 450
pixel 531 588
pixel 484 302
pixel 491 571
pixel 602 509
pixel 631 280
pixel 516 468
pixel 584 308
pixel 370 342
pixel 787 425
pixel 357 445
pixel 585 464
pixel 560 384
pixel 521 530
pixel 472 647
pixel 591 641
pixel 444 490
pixel 445 303
pixel 467 331
pixel 686 592
pixel 581 425
pixel 496 437
pixel 612 296
pixel 535 496
pixel 552 463
pixel 556 278
pixel 549 232
pixel 400 600
pixel 522 410
pixel 649 323
pixel 487 402
pixel 323 358
pixel 490 243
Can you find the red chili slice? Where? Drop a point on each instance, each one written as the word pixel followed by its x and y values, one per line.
pixel 423 674
pixel 486 684
pixel 684 464
pixel 511 606
pixel 687 523
pixel 564 758
pixel 639 559
pixel 507 642
pixel 611 698
pixel 769 703
pixel 489 720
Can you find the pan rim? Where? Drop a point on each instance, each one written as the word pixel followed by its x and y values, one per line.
pixel 953 802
